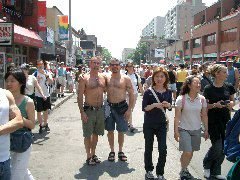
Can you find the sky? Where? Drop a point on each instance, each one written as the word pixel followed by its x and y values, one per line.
pixel 117 24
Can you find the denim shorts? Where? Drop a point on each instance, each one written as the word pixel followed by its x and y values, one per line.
pixel 5 171
pixel 122 124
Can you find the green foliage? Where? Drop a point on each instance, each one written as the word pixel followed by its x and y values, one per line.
pixel 106 55
pixel 140 53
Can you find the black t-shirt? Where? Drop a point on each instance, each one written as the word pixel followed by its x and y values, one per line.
pixel 155 116
pixel 218 118
pixel 172 78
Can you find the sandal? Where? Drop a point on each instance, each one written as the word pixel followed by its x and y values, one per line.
pixel 96 159
pixel 122 157
pixel 111 156
pixel 90 162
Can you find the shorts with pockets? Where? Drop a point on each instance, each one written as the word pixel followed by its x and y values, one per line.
pixel 95 123
pixel 172 87
pixel 122 124
pixel 42 105
pixel 189 141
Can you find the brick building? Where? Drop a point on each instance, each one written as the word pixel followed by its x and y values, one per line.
pixel 215 34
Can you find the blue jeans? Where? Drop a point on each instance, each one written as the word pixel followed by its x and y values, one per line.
pixel 161 133
pixel 5 172
pixel 214 157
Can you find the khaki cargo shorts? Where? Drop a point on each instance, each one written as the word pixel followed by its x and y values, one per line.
pixel 95 123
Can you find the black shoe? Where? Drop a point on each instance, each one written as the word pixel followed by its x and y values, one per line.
pixel 47 128
pixel 59 95
pixel 40 129
pixel 63 95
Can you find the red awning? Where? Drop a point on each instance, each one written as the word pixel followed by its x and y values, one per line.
pixel 26 37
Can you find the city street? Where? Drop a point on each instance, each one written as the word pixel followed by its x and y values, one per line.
pixel 60 154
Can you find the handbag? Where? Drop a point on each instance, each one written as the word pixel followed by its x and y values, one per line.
pixel 167 118
pixel 20 140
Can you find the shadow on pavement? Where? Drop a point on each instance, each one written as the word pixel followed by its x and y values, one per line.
pixel 39 138
pixel 114 169
pixel 136 131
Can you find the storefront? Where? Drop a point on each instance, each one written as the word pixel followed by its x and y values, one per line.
pixel 25 45
pixel 197 59
pixel 229 54
pixel 60 53
pixel 210 57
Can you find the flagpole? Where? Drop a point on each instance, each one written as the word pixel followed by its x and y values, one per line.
pixel 70 32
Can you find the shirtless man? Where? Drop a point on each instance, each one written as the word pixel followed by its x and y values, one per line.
pixel 92 86
pixel 118 85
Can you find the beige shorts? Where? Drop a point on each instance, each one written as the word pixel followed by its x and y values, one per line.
pixel 62 80
pixel 95 123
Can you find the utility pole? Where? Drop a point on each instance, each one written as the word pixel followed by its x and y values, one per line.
pixel 70 32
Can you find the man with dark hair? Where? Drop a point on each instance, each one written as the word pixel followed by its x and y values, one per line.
pixel 44 78
pixel 118 85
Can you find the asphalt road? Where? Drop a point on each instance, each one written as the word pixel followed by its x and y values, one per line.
pixel 60 154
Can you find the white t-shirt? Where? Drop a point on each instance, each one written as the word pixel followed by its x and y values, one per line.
pixel 191 112
pixel 134 82
pixel 42 81
pixel 30 85
pixel 4 118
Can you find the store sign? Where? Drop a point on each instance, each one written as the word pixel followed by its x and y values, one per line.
pixel 229 53
pixel 211 55
pixel 6 34
pixel 50 35
pixel 160 53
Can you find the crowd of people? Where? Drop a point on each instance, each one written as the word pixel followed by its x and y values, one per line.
pixel 203 98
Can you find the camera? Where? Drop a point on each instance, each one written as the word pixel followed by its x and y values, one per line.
pixel 224 103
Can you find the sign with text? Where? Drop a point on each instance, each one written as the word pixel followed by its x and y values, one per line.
pixel 6 34
pixel 160 53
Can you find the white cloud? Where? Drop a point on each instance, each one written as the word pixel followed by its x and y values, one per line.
pixel 117 24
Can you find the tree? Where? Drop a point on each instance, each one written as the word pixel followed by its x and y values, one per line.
pixel 106 55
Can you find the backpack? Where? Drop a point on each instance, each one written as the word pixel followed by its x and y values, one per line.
pixel 234 172
pixel 232 139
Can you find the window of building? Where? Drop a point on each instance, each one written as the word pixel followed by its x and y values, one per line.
pixel 187 45
pixel 210 39
pixel 229 35
pixel 196 43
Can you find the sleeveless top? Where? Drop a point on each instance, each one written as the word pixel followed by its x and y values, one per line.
pixel 231 76
pixel 4 118
pixel 181 75
pixel 22 108
pixel 172 78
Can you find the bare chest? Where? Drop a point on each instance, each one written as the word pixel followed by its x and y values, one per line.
pixel 93 83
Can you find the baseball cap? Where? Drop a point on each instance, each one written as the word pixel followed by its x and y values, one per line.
pixel 25 66
pixel 229 60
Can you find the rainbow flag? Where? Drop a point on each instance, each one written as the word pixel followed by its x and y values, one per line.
pixel 63 27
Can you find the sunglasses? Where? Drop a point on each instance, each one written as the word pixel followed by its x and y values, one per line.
pixel 96 63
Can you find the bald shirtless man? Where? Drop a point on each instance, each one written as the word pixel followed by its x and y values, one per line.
pixel 92 86
pixel 118 85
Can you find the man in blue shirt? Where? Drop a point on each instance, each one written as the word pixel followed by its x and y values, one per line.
pixel 61 78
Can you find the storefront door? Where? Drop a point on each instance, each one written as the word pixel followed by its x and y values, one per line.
pixel 2 68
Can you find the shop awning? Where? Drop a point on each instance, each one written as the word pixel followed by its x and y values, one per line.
pixel 229 53
pixel 211 55
pixel 26 37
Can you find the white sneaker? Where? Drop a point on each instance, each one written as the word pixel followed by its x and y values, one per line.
pixel 161 177
pixel 149 175
pixel 206 173
pixel 220 177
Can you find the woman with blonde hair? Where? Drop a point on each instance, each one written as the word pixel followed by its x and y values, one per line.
pixel 220 97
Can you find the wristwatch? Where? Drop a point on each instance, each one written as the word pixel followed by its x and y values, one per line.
pixel 214 105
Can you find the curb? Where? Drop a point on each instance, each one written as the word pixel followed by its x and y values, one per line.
pixel 61 102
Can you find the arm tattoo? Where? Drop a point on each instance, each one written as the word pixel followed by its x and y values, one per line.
pixel 12 111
